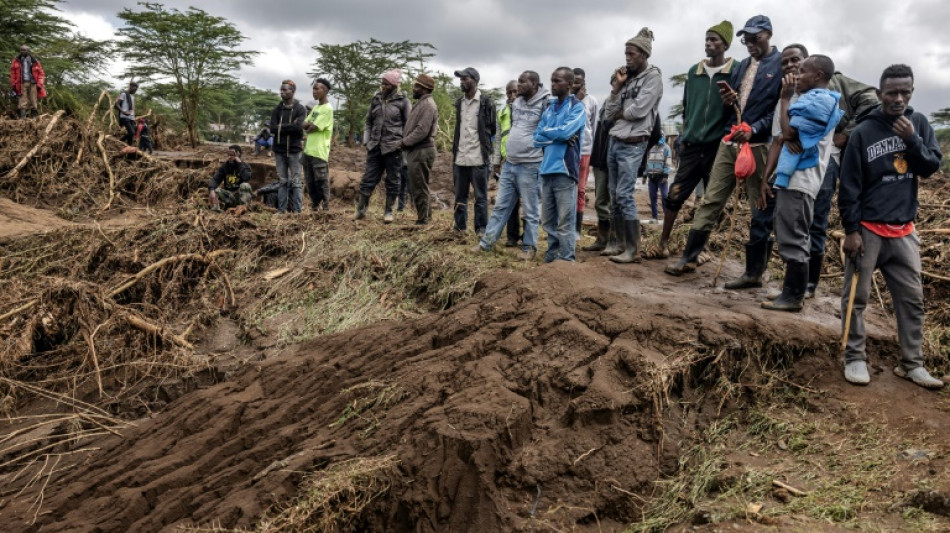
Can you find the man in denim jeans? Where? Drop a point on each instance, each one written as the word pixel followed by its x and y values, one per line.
pixel 287 122
pixel 519 175
pixel 632 104
pixel 561 134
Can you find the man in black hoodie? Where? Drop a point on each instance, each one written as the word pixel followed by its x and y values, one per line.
pixel 287 127
pixel 886 155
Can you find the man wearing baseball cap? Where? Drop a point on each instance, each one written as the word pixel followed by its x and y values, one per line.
pixel 754 89
pixel 418 141
pixel 475 120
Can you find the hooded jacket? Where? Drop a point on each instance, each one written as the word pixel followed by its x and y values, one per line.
pixel 634 108
pixel 880 171
pixel 16 76
pixel 760 106
pixel 230 176
pixel 704 114
pixel 598 152
pixel 487 125
pixel 385 121
pixel 525 117
pixel 287 128
pixel 561 134
pixel 815 114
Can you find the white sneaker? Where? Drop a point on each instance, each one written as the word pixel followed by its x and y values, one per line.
pixel 856 372
pixel 919 376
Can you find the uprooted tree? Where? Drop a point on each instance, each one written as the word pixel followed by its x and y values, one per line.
pixel 355 68
pixel 185 53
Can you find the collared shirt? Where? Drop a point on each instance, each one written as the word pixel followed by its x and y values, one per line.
pixel 470 148
pixel 590 104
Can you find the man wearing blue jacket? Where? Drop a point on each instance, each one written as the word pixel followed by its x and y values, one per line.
pixel 560 134
pixel 887 154
pixel 754 89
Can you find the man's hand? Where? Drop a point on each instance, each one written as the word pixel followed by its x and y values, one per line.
pixel 620 77
pixel 765 193
pixel 741 137
pixel 789 82
pixel 729 97
pixel 794 147
pixel 496 170
pixel 854 245
pixel 212 198
pixel 840 140
pixel 904 128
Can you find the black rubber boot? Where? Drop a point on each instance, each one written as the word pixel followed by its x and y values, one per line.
pixel 580 224
pixel 22 114
pixel 631 234
pixel 793 289
pixel 756 257
pixel 814 274
pixel 695 242
pixel 615 243
pixel 361 205
pixel 603 232
pixel 388 213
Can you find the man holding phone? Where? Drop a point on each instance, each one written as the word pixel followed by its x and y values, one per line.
pixel 758 81
pixel 704 118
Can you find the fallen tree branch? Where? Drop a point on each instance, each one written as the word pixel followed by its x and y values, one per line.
pixel 937 231
pixel 205 258
pixel 36 148
pixel 934 276
pixel 105 159
pixel 789 488
pixel 157 331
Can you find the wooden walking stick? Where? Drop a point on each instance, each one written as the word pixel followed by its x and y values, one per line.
pixel 847 318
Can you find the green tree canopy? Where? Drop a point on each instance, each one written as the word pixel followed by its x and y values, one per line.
pixel 187 53
pixel 354 70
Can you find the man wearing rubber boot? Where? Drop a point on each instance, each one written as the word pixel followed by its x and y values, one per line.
pixel 886 156
pixel 598 165
pixel 806 129
pixel 758 79
pixel 387 116
pixel 632 105
pixel 857 101
pixel 704 118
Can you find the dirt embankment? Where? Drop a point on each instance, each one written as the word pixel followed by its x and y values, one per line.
pixel 553 398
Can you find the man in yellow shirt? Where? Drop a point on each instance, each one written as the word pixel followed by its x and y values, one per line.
pixel 319 129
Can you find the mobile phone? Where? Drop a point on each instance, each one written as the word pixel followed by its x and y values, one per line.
pixel 724 85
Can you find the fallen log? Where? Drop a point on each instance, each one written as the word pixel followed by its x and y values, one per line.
pixel 29 155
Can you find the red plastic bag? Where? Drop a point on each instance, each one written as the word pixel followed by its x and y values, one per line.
pixel 745 162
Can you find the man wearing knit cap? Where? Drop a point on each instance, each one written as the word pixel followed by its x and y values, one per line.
pixel 387 115
pixel 419 143
pixel 704 118
pixel 475 121
pixel 754 90
pixel 632 104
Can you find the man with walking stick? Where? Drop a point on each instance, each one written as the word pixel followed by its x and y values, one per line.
pixel 886 155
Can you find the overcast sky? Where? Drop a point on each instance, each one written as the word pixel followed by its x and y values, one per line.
pixel 502 39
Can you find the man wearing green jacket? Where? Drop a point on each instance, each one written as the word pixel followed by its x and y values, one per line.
pixel 704 119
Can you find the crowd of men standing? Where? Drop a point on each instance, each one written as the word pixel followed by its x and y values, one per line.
pixel 783 124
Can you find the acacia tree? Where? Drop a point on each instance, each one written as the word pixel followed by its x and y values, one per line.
pixel 186 53
pixel 354 70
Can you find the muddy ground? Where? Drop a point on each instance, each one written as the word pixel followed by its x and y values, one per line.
pixel 349 376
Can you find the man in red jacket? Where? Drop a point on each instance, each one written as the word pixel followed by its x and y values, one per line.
pixel 28 81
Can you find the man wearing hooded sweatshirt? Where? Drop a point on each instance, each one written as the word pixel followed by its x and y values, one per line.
pixel 287 125
pixel 754 88
pixel 28 81
pixel 632 104
pixel 385 120
pixel 561 135
pixel 886 156
pixel 519 175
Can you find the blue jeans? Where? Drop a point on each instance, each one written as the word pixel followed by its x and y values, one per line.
pixel 518 182
pixel 657 184
pixel 290 176
pixel 623 161
pixel 819 222
pixel 559 215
